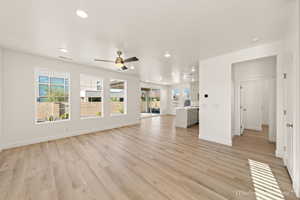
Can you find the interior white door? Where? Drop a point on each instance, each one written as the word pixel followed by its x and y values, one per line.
pixel 289 88
pixel 252 105
pixel 242 102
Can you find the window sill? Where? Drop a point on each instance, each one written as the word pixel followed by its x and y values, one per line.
pixel 96 117
pixel 117 114
pixel 52 122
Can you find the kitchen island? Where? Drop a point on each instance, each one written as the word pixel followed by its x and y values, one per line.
pixel 186 116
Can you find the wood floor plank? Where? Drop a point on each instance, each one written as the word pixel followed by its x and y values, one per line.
pixel 151 161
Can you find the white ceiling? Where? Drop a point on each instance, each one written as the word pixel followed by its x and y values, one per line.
pixel 188 30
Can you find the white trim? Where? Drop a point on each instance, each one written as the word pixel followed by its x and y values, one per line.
pixel 92 117
pixel 215 140
pixel 56 137
pixel 279 153
pixel 296 181
pixel 52 122
pixel 238 84
pixel 1 95
pixel 117 114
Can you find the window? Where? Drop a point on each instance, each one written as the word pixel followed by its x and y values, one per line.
pixel 52 96
pixel 186 93
pixel 187 96
pixel 175 96
pixel 91 96
pixel 155 100
pixel 118 97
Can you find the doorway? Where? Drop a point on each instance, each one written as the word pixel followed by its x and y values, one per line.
pixel 254 104
pixel 150 102
pixel 289 86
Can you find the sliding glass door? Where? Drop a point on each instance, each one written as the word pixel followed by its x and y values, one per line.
pixel 154 101
pixel 150 101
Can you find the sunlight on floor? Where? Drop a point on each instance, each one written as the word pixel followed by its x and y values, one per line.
pixel 264 182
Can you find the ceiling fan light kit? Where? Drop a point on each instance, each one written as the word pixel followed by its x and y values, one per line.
pixel 120 62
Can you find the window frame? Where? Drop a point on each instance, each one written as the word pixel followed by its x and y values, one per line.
pixel 102 97
pixel 124 98
pixel 37 95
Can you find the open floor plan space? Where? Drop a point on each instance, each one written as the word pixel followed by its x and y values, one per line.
pixel 149 100
pixel 152 160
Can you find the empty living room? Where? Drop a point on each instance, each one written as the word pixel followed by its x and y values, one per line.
pixel 149 100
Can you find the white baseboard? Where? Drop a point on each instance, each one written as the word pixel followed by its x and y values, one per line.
pixel 278 153
pixel 56 137
pixel 236 132
pixel 214 140
pixel 296 189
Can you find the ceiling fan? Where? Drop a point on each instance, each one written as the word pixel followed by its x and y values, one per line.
pixel 120 62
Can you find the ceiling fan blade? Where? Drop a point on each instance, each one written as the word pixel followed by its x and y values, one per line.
pixel 132 59
pixel 100 60
pixel 124 68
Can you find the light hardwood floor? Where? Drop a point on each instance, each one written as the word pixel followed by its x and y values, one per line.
pixel 151 161
pixel 255 141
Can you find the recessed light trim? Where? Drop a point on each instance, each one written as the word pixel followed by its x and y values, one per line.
pixel 132 67
pixel 64 50
pixel 193 69
pixel 167 55
pixel 256 39
pixel 82 14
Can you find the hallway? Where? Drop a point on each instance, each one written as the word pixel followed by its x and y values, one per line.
pixel 255 141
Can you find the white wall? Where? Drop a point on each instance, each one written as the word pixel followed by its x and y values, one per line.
pixel 164 97
pixel 297 149
pixel 215 75
pixel 264 71
pixel 19 100
pixel 1 90
pixel 291 47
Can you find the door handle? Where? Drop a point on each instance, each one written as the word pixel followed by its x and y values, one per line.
pixel 289 125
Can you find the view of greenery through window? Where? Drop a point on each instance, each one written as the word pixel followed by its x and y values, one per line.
pixel 91 95
pixel 52 96
pixel 53 102
pixel 117 96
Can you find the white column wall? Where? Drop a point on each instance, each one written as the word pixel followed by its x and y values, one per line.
pixel 1 97
pixel 215 75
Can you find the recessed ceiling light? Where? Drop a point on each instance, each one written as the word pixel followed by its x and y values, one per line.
pixel 256 39
pixel 63 50
pixel 132 67
pixel 81 13
pixel 193 80
pixel 167 55
pixel 193 69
